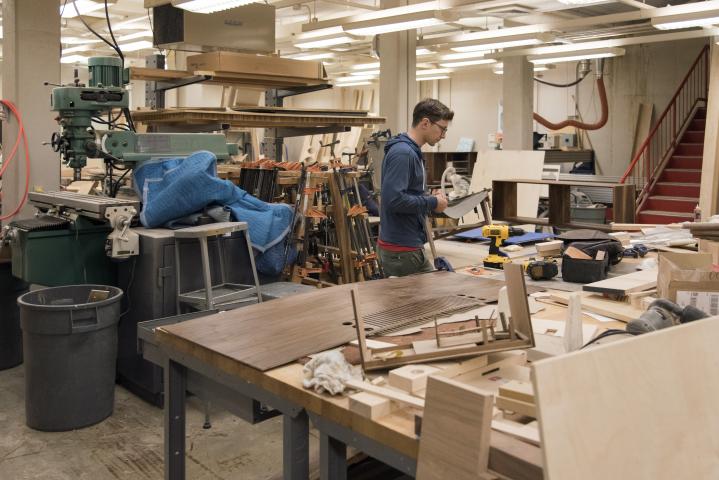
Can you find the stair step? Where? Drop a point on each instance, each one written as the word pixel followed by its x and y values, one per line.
pixel 701 113
pixel 698 124
pixel 683 189
pixel 690 148
pixel 669 203
pixel 685 162
pixel 693 136
pixel 693 175
pixel 663 217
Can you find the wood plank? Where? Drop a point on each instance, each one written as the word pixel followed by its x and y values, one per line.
pixel 394 395
pixel 370 406
pixel 652 413
pixel 456 428
pixel 594 303
pixel 623 284
pixel 517 390
pixel 411 378
pixel 517 406
pixel 312 322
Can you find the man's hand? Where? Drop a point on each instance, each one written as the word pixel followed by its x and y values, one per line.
pixel 441 202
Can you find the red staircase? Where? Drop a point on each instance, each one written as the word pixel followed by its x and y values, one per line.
pixel 667 167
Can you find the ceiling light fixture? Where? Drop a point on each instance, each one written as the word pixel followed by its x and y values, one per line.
pixel 496 45
pixel 354 78
pixel 499 68
pixel 138 23
pixel 438 77
pixel 366 66
pixel 686 20
pixel 353 84
pixel 365 72
pixel 83 6
pixel 575 56
pixel 582 2
pixel 324 41
pixel 310 56
pixel 74 59
pixel 421 52
pixel 79 48
pixel 468 63
pixel 464 55
pixel 433 71
pixel 209 6
pixel 398 23
pixel 133 36
pixel 135 46
pixel 78 40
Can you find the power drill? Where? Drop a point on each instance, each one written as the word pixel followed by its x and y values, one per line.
pixel 662 314
pixel 541 269
pixel 497 234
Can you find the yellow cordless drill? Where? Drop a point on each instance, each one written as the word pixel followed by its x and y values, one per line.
pixel 497 234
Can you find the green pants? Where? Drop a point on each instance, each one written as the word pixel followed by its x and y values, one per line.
pixel 400 264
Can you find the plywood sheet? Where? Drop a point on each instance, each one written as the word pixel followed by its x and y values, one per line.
pixel 275 333
pixel 456 426
pixel 640 408
pixel 595 303
pixel 504 165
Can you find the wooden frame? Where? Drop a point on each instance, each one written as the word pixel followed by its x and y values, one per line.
pixel 519 327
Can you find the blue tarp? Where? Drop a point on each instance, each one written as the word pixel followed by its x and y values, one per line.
pixel 177 187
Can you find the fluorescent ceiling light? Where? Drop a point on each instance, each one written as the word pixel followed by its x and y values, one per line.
pixel 83 6
pixel 398 23
pixel 423 51
pixel 134 46
pixel 433 71
pixel 373 15
pixel 73 59
pixel 78 40
pixel 497 45
pixel 132 24
pixel 354 78
pixel 322 32
pixel 353 84
pixel 328 41
pixel 575 56
pixel 364 72
pixel 438 77
pixel 79 48
pixel 461 56
pixel 582 2
pixel 499 68
pixel 366 66
pixel 686 20
pixel 133 36
pixel 468 63
pixel 311 56
pixel 209 6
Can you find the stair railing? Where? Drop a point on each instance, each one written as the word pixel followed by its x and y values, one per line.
pixel 654 153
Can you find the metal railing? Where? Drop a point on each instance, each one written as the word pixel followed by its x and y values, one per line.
pixel 657 149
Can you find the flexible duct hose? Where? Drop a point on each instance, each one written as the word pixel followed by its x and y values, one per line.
pixel 581 125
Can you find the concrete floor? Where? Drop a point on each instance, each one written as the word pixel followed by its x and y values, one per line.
pixel 129 445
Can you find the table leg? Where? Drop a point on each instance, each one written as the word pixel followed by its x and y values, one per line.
pixel 333 458
pixel 175 387
pixel 296 446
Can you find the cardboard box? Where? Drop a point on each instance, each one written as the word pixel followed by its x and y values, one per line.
pixel 710 246
pixel 689 279
pixel 255 65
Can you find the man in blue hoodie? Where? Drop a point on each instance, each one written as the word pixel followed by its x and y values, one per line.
pixel 404 204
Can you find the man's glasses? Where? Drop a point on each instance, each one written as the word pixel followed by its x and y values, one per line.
pixel 444 129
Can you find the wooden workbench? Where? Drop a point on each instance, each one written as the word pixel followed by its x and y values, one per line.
pixel 390 439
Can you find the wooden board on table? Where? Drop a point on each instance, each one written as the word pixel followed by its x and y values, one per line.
pixel 624 284
pixel 274 333
pixel 648 403
pixel 456 427
pixel 621 311
pixel 498 164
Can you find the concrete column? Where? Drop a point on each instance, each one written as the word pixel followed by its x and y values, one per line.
pixel 397 80
pixel 31 55
pixel 517 102
pixel 709 192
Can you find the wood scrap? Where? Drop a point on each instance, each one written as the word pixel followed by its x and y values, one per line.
pixel 455 431
pixel 411 378
pixel 392 394
pixel 624 284
pixel 594 303
pixel 517 390
pixel 370 406
pixel 549 249
pixel 574 252
pixel 517 406
pixel 528 433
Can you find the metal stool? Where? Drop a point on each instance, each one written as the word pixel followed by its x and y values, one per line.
pixel 225 293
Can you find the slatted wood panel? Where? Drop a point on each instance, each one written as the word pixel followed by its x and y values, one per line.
pixel 278 332
pixel 640 408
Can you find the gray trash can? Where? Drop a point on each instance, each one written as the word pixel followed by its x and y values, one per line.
pixel 70 346
pixel 10 333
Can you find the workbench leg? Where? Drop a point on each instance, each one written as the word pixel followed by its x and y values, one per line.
pixel 333 458
pixel 175 386
pixel 296 446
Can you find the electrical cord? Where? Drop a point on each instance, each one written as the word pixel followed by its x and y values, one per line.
pixel 605 334
pixel 90 28
pixel 116 189
pixel 564 85
pixel 21 132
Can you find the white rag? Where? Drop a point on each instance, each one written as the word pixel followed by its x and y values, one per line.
pixel 328 372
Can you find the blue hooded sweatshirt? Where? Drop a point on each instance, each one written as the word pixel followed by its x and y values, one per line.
pixel 404 206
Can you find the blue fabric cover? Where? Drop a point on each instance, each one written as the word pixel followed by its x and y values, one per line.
pixel 172 188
